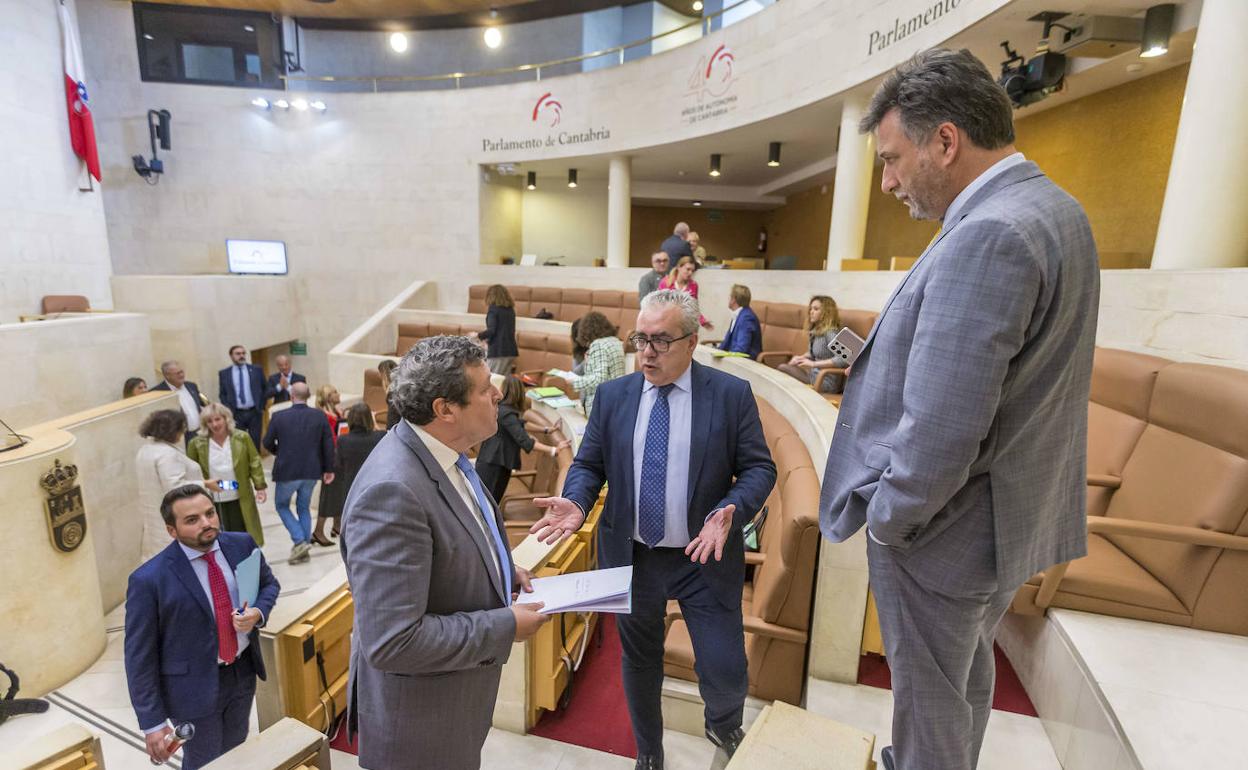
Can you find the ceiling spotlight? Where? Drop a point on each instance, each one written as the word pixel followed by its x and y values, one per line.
pixel 317 105
pixel 715 164
pixel 1158 24
pixel 300 104
pixel 532 180
pixel 493 37
pixel 571 177
pixel 697 5
pixel 398 42
pixel 282 104
pixel 148 36
pixel 773 154
pixel 260 102
pixel 697 203
pixel 248 28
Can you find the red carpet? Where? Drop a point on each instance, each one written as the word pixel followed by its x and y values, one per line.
pixel 597 714
pixel 1009 695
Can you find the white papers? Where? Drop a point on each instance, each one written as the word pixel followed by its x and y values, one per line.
pixel 604 590
pixel 247 576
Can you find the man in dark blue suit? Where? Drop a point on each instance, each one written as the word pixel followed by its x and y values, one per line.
pixel 670 440
pixel 745 334
pixel 242 389
pixel 192 645
pixel 301 439
pixel 279 383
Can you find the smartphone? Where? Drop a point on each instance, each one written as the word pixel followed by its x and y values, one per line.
pixel 228 485
pixel 847 345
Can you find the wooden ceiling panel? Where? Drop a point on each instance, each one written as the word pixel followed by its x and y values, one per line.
pixel 416 14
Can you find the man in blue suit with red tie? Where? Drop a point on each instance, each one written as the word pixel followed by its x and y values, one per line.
pixel 745 335
pixel 241 388
pixel 682 449
pixel 192 646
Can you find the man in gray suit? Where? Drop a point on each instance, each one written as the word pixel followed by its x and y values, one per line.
pixel 962 436
pixel 430 571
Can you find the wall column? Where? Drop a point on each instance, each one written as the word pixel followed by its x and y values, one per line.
pixel 619 210
pixel 1202 218
pixel 851 195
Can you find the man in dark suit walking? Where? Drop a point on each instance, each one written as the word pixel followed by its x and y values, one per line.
pixel 301 440
pixel 241 389
pixel 190 400
pixel 278 386
pixel 192 646
pixel 682 449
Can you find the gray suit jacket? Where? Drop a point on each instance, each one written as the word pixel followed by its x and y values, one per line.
pixel 962 436
pixel 432 626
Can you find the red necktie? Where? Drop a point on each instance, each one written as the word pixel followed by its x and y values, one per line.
pixel 227 637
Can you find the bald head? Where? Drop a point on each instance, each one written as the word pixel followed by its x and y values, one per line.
pixel 283 364
pixel 300 392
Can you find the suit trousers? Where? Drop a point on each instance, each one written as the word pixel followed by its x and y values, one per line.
pixel 939 648
pixel 250 420
pixel 226 727
pixel 718 638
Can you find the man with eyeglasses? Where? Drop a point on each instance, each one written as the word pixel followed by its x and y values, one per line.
pixel 682 449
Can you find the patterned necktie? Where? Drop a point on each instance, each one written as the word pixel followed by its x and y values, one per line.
pixel 487 512
pixel 227 637
pixel 652 497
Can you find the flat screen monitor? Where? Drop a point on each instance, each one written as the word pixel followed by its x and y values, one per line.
pixel 256 257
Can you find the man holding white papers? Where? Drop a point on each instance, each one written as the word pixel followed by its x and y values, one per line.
pixel 430 571
pixel 670 440
pixel 192 647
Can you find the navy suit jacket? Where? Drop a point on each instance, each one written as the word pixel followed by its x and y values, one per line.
pixel 728 463
pixel 171 633
pixel 192 387
pixel 281 396
pixel 301 440
pixel 225 387
pixel 745 336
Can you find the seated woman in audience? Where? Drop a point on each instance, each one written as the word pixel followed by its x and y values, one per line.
pixel 825 322
pixel 327 398
pixel 699 251
pixel 353 449
pixel 578 352
pixel 500 454
pixel 135 386
pixel 681 279
pixel 228 454
pixel 161 465
pixel 500 330
pixel 604 356
pixel 385 369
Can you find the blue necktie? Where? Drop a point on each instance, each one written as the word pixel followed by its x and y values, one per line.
pixel 243 388
pixel 652 497
pixel 487 512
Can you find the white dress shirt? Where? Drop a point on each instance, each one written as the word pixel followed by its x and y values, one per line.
pixel 1008 162
pixel 189 407
pixel 680 431
pixel 446 458
pixel 221 466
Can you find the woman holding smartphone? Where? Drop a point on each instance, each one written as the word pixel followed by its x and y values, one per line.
pixel 228 454
pixel 825 322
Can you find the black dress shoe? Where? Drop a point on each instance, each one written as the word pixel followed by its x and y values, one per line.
pixel 886 756
pixel 728 741
pixel 649 762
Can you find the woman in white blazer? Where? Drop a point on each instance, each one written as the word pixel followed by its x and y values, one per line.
pixel 161 465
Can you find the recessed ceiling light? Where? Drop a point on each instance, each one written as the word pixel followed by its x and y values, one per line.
pixel 398 42
pixel 148 36
pixel 260 102
pixel 317 105
pixel 300 104
pixel 493 37
pixel 248 28
pixel 697 5
pixel 282 104
pixel 697 203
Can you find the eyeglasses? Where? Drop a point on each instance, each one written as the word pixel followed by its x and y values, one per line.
pixel 660 344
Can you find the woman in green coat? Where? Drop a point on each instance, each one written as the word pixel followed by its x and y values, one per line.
pixel 231 455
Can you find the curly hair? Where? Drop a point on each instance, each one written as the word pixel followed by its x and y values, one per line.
pixel 498 295
pixel 594 325
pixel 435 367
pixel 164 425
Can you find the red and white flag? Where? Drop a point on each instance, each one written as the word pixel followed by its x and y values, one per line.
pixel 81 127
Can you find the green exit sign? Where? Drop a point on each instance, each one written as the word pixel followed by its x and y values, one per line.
pixel 298 348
